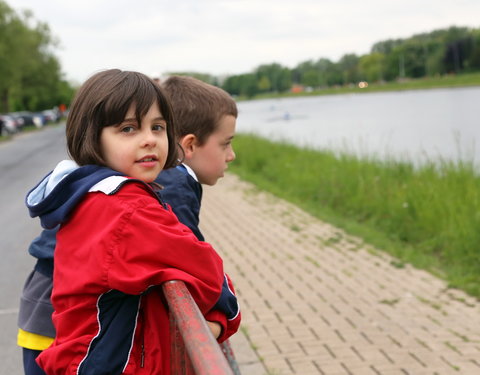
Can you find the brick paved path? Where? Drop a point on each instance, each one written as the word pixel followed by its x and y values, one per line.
pixel 317 301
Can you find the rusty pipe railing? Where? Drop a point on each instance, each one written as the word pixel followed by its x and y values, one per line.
pixel 194 350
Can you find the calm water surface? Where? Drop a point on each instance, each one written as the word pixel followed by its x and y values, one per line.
pixel 440 123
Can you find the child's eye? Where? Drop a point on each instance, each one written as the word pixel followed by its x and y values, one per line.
pixel 127 129
pixel 158 127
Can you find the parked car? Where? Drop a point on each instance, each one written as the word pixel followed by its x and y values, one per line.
pixel 9 124
pixel 51 115
pixel 30 118
pixel 18 120
pixel 39 119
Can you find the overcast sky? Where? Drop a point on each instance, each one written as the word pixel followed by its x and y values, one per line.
pixel 230 36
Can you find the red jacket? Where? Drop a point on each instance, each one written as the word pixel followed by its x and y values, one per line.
pixel 111 256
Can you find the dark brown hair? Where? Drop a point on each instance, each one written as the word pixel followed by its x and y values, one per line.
pixel 104 100
pixel 198 106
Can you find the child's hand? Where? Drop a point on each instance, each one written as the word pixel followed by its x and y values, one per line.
pixel 216 328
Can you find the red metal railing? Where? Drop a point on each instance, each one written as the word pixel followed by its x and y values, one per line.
pixel 194 350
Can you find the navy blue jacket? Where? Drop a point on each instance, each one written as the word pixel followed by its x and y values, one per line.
pixel 184 194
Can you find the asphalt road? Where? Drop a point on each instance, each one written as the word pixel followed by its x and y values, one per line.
pixel 24 160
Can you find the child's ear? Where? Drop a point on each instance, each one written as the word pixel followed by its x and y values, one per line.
pixel 188 143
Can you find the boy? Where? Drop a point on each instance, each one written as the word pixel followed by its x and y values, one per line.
pixel 206 118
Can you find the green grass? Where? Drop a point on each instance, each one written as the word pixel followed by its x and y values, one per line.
pixel 461 80
pixel 427 215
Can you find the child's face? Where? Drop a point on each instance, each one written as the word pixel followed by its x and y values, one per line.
pixel 137 150
pixel 210 160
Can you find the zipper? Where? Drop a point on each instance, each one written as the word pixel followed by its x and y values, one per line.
pixel 142 339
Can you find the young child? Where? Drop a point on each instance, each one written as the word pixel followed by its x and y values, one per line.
pixel 36 331
pixel 205 117
pixel 117 241
pixel 207 110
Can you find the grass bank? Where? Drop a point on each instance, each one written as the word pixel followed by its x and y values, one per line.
pixel 461 80
pixel 428 216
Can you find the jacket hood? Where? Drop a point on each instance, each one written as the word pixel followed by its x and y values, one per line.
pixel 59 191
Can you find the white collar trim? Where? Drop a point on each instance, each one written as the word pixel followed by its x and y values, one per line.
pixel 190 171
pixel 108 185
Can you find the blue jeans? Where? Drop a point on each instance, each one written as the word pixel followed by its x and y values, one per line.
pixel 29 365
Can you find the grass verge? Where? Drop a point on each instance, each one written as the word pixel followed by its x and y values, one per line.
pixel 427 215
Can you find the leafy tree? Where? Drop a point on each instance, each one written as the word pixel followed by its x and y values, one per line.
pixel 242 84
pixel 307 74
pixel 415 58
pixel 264 84
pixel 248 85
pixel 278 76
pixel 456 55
pixel 232 84
pixel 348 64
pixel 435 51
pixel 372 67
pixel 472 62
pixel 30 72
pixel 311 78
pixel 330 72
pixel 386 46
pixel 10 26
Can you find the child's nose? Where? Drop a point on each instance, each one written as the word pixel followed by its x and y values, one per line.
pixel 231 156
pixel 149 138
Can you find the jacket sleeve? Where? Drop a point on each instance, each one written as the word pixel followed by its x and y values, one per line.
pixel 187 216
pixel 226 311
pixel 150 246
pixel 185 202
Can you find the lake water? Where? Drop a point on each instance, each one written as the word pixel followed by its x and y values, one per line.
pixel 407 124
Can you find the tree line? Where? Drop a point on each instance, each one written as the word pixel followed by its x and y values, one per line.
pixel 452 50
pixel 30 74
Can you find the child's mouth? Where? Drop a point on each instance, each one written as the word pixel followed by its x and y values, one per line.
pixel 148 161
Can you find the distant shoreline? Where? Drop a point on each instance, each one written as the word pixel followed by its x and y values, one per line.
pixel 449 81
